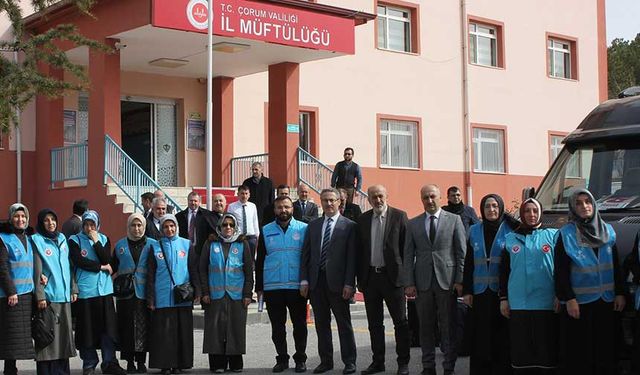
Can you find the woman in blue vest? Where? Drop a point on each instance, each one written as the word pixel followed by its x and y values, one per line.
pixel 51 254
pixel 226 278
pixel 133 315
pixel 527 295
pixel 16 287
pixel 171 330
pixel 489 331
pixel 590 284
pixel 95 313
pixel 632 264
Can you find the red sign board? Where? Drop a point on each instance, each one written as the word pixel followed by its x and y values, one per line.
pixel 258 21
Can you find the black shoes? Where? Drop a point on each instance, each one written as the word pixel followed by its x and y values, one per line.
pixel 131 368
pixel 280 367
pixel 322 368
pixel 403 369
pixel 373 368
pixel 142 369
pixel 113 368
pixel 349 368
pixel 301 367
pixel 429 371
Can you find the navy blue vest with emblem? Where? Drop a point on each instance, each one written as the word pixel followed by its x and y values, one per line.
pixel 226 276
pixel 486 271
pixel 20 264
pixel 91 284
pixel 591 276
pixel 54 253
pixel 127 265
pixel 531 283
pixel 176 250
pixel 284 249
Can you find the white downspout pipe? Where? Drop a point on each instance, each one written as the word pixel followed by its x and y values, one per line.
pixel 466 129
pixel 209 127
pixel 18 133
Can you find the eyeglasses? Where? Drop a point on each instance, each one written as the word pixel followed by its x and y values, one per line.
pixel 228 225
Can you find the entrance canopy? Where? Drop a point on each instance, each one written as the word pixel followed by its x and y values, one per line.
pixel 249 36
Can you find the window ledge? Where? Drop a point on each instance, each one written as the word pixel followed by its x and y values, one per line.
pixel 563 79
pixel 488 66
pixel 399 168
pixel 489 172
pixel 400 52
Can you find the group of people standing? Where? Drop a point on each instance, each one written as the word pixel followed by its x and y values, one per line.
pixel 541 300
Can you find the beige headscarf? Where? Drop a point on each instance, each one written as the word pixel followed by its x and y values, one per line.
pixel 143 221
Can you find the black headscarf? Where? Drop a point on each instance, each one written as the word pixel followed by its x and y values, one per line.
pixel 40 228
pixel 490 228
pixel 591 232
pixel 524 228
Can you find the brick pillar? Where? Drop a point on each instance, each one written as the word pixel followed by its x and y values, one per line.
pixel 222 130
pixel 104 108
pixel 49 134
pixel 284 87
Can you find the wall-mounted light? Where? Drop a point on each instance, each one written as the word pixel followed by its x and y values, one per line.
pixel 168 63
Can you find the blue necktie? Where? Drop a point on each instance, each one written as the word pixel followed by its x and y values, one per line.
pixel 326 238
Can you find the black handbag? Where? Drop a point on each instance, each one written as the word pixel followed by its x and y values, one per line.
pixel 42 327
pixel 181 293
pixel 124 286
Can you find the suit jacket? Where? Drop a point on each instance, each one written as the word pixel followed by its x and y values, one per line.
pixel 183 221
pixel 310 212
pixel 392 248
pixel 341 255
pixel 352 211
pixel 72 226
pixel 445 257
pixel 205 226
pixel 151 231
pixel 268 215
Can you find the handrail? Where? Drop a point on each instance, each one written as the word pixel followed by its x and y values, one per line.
pixel 317 175
pixel 241 167
pixel 128 176
pixel 69 163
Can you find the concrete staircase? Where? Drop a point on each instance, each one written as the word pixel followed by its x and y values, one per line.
pixel 178 194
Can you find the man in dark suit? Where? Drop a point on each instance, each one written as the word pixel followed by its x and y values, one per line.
pixel 303 209
pixel 160 194
pixel 433 263
pixel 260 189
pixel 268 214
pixel 327 273
pixel 349 210
pixel 381 233
pixel 190 217
pixel 73 225
pixel 455 205
pixel 207 224
pixel 158 210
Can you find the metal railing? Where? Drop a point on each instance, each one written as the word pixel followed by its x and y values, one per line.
pixel 128 176
pixel 69 163
pixel 317 176
pixel 241 167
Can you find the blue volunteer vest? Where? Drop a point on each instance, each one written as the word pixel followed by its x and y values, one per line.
pixel 127 265
pixel 56 266
pixel 226 276
pixel 591 276
pixel 284 249
pixel 486 271
pixel 176 250
pixel 20 264
pixel 91 284
pixel 638 289
pixel 531 283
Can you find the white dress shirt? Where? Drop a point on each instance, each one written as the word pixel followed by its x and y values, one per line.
pixel 324 225
pixel 427 221
pixel 253 228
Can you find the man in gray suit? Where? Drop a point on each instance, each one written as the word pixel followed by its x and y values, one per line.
pixel 327 273
pixel 433 263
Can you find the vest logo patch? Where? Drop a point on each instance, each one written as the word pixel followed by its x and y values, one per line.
pixel 48 252
pixel 122 251
pixel 84 253
pixel 515 249
pixel 546 248
pixel 182 253
pixel 296 236
pixel 160 256
pixel 235 251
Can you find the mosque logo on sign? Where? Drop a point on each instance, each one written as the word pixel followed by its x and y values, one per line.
pixel 197 14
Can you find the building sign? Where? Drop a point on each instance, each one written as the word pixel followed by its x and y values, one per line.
pixel 259 21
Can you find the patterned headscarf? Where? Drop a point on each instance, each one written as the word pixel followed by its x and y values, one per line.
pixel 236 230
pixel 18 207
pixel 92 216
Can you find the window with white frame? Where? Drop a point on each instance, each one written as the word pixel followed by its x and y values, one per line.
pixel 488 150
pixel 483 44
pixel 394 28
pixel 555 146
pixel 559 54
pixel 398 143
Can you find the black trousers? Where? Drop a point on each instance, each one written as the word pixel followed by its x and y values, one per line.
pixel 139 357
pixel 377 291
pixel 53 367
pixel 231 362
pixel 278 301
pixel 10 367
pixel 588 343
pixel 324 302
